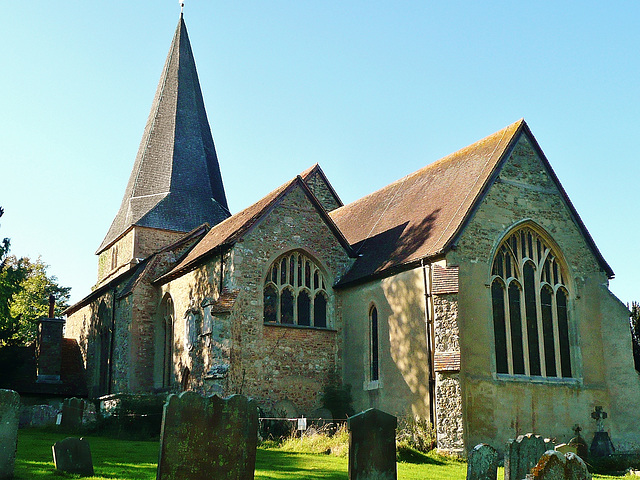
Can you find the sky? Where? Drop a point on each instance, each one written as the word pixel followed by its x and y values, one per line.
pixel 370 90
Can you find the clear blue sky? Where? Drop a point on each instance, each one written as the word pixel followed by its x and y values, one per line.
pixel 371 90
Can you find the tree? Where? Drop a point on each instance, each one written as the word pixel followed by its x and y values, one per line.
pixel 31 301
pixel 635 332
pixel 11 276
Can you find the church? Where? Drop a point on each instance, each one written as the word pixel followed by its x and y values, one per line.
pixel 469 293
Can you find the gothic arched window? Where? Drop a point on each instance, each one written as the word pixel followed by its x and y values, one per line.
pixel 167 313
pixel 529 298
pixel 295 292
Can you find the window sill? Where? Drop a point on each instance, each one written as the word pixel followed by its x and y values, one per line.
pixel 505 377
pixel 373 385
pixel 304 327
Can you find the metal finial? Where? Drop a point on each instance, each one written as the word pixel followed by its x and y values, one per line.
pixel 181 2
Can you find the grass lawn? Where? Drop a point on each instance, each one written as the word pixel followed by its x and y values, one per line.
pixel 123 459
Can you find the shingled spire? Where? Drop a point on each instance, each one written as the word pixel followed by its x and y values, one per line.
pixel 175 183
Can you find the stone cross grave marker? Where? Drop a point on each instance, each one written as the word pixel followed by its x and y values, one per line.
pixel 9 418
pixel 482 463
pixel 553 465
pixel 73 455
pixel 208 437
pixel 72 409
pixel 521 455
pixel 601 446
pixel 582 449
pixel 372 446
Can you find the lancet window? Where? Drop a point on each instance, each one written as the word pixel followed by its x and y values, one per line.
pixel 530 308
pixel 295 292
pixel 374 365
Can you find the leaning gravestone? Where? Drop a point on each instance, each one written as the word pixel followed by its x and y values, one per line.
pixel 482 463
pixel 372 446
pixel 72 410
pixel 73 455
pixel 9 418
pixel 553 465
pixel 208 437
pixel 521 455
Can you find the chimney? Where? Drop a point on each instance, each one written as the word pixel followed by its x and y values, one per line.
pixel 49 347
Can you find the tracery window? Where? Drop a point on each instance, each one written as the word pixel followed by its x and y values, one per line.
pixel 530 314
pixel 295 292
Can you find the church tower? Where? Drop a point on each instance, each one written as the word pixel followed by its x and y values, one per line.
pixel 175 184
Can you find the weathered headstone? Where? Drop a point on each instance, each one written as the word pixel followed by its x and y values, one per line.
pixel 9 417
pixel 482 463
pixel 321 417
pixel 521 455
pixel 553 465
pixel 72 410
pixel 73 455
pixel 565 448
pixel 208 437
pixel 372 446
pixel 582 449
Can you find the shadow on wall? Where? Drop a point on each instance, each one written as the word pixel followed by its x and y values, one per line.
pixel 407 337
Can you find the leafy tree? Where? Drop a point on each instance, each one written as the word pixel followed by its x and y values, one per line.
pixel 635 332
pixel 11 276
pixel 31 301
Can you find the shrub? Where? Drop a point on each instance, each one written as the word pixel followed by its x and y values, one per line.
pixel 319 441
pixel 336 397
pixel 415 433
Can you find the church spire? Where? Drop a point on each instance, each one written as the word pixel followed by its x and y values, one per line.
pixel 175 183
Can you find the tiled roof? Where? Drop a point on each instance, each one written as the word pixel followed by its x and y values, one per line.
pixel 421 215
pixel 175 182
pixel 233 228
pixel 225 302
pixel 228 231
pixel 445 280
pixel 418 215
pixel 446 362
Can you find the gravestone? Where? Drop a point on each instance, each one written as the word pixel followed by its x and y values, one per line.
pixel 601 445
pixel 321 417
pixel 482 463
pixel 521 455
pixel 553 465
pixel 208 437
pixel 372 446
pixel 72 410
pixel 565 448
pixel 582 449
pixel 9 418
pixel 73 455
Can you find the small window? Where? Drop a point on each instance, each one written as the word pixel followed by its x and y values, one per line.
pixel 374 371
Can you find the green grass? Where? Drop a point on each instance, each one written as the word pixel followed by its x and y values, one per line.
pixel 136 460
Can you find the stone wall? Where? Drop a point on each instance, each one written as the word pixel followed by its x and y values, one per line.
pixel 498 407
pixel 403 386
pixel 449 425
pixel 322 191
pixel 258 351
pixel 125 253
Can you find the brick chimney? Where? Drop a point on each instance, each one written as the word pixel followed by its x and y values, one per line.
pixel 49 348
